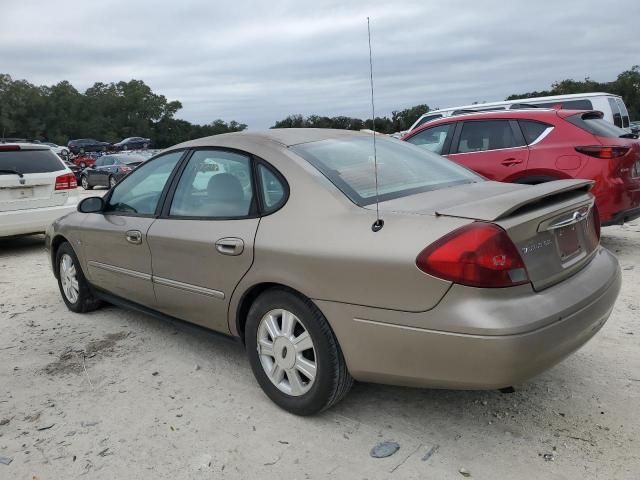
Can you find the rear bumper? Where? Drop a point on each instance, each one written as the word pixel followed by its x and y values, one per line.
pixel 618 201
pixel 36 220
pixel 521 336
pixel 621 217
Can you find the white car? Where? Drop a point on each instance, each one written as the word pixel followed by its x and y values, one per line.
pixel 57 149
pixel 36 188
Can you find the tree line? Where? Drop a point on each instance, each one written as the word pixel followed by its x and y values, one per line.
pixel 105 111
pixel 112 111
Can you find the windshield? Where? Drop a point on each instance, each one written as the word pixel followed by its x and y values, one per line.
pixel 403 169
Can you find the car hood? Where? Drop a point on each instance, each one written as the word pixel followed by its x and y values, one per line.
pixel 487 201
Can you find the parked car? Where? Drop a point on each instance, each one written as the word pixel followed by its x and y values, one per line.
pixel 83 145
pixel 273 238
pixel 539 145
pixel 74 168
pixel 108 170
pixel 84 160
pixel 57 149
pixel 612 106
pixel 132 143
pixel 35 189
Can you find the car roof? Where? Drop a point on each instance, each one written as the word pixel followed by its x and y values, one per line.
pixel 28 146
pixel 522 113
pixel 283 136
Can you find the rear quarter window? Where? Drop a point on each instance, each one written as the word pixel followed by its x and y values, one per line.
pixel 30 161
pixel 596 125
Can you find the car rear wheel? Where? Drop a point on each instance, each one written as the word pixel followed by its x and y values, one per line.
pixel 294 354
pixel 84 181
pixel 112 181
pixel 72 283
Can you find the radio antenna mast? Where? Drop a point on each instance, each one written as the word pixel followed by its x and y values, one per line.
pixel 379 223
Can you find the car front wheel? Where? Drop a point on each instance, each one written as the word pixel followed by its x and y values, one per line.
pixel 294 354
pixel 84 181
pixel 112 181
pixel 72 283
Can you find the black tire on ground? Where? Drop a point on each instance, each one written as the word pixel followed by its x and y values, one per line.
pixel 84 182
pixel 332 381
pixel 85 302
pixel 112 181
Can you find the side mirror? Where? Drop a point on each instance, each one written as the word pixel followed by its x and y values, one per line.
pixel 91 205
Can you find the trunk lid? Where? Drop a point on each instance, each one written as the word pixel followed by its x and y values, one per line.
pixel 35 187
pixel 552 224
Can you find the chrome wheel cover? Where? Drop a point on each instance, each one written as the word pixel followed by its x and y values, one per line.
pixel 69 278
pixel 286 352
pixel 85 183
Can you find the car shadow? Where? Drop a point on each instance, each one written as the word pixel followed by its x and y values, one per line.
pixel 21 244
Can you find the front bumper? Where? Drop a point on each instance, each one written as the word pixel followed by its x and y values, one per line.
pixel 36 220
pixel 474 341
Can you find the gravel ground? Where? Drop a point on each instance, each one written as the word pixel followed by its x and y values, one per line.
pixel 118 395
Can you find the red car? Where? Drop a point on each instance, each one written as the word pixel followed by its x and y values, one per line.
pixel 538 145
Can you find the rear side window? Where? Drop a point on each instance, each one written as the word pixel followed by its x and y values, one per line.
pixel 532 130
pixel 273 191
pixel 625 113
pixel 595 124
pixel 479 136
pixel 617 116
pixel 568 104
pixel 30 161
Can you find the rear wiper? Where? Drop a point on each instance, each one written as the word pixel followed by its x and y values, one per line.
pixel 11 170
pixel 629 135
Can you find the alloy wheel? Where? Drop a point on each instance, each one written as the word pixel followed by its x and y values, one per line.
pixel 85 183
pixel 69 278
pixel 286 352
pixel 112 182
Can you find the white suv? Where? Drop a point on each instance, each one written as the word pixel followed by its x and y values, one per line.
pixel 36 188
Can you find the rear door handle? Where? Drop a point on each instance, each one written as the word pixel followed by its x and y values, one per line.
pixel 134 236
pixel 230 246
pixel 510 162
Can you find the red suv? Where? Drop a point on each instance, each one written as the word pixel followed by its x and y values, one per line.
pixel 538 145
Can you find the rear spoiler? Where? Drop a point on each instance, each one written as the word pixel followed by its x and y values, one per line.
pixel 504 204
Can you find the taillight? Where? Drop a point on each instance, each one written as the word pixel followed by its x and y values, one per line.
pixel 66 182
pixel 125 169
pixel 603 152
pixel 9 148
pixel 478 255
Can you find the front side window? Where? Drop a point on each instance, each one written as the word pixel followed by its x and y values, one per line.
pixel 480 136
pixel 403 169
pixel 139 192
pixel 214 184
pixel 432 139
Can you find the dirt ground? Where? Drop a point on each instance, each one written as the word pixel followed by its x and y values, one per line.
pixel 117 395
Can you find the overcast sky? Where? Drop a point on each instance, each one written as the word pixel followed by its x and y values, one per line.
pixel 258 61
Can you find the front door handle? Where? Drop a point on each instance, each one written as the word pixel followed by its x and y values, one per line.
pixel 134 236
pixel 230 246
pixel 510 162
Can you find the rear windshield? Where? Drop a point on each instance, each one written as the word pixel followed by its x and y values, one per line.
pixel 30 161
pixel 596 125
pixel 403 169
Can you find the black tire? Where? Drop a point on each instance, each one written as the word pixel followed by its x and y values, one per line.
pixel 85 302
pixel 85 180
pixel 534 180
pixel 112 181
pixel 332 381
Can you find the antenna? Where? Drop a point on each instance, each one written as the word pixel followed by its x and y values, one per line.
pixel 379 223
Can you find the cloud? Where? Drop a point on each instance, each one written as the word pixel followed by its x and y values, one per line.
pixel 257 62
